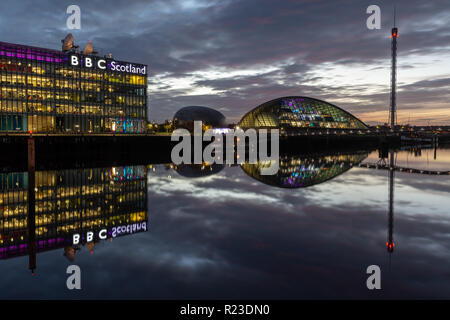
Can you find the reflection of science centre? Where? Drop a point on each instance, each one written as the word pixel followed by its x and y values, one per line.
pixel 293 113
pixel 295 171
pixel 301 171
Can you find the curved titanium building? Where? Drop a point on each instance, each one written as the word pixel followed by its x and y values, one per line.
pixel 185 117
pixel 293 113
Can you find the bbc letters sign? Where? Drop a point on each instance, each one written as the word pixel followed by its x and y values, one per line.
pixel 87 62
pixel 78 60
pixel 90 236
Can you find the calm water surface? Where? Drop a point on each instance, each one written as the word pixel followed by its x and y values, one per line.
pixel 227 232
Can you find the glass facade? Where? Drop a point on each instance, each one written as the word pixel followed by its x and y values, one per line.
pixel 42 92
pixel 293 113
pixel 67 202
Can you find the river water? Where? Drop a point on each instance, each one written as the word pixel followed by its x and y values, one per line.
pixel 202 232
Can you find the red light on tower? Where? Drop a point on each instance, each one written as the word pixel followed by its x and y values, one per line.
pixel 390 246
pixel 394 33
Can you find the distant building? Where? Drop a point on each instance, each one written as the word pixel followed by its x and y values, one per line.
pixel 290 114
pixel 185 117
pixel 51 91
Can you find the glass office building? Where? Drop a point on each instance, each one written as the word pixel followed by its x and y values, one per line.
pixel 293 113
pixel 50 91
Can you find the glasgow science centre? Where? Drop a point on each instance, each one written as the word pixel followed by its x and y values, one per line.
pixel 290 113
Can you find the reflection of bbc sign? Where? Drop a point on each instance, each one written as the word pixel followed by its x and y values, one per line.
pixel 91 62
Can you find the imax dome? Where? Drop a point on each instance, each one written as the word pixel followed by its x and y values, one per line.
pixel 290 113
pixel 185 117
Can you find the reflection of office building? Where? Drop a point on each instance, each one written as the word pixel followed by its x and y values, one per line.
pixel 304 171
pixel 45 90
pixel 104 202
pixel 292 113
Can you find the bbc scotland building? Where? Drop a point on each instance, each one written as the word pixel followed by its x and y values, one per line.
pixel 51 91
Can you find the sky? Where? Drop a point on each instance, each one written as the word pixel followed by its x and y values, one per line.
pixel 233 55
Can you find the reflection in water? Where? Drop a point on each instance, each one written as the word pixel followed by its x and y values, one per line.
pixel 217 236
pixel 390 243
pixel 418 158
pixel 197 170
pixel 390 160
pixel 304 171
pixel 297 171
pixel 43 210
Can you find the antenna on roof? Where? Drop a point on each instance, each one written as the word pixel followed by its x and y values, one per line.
pixel 394 15
pixel 68 43
pixel 89 49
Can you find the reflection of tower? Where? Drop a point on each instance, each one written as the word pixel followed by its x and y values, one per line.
pixel 390 243
pixel 393 115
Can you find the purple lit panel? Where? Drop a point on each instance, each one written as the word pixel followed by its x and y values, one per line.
pixel 30 54
pixel 6 252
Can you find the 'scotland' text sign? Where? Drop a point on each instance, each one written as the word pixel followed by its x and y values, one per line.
pixel 79 60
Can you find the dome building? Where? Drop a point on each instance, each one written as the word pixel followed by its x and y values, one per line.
pixel 289 114
pixel 304 171
pixel 185 117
